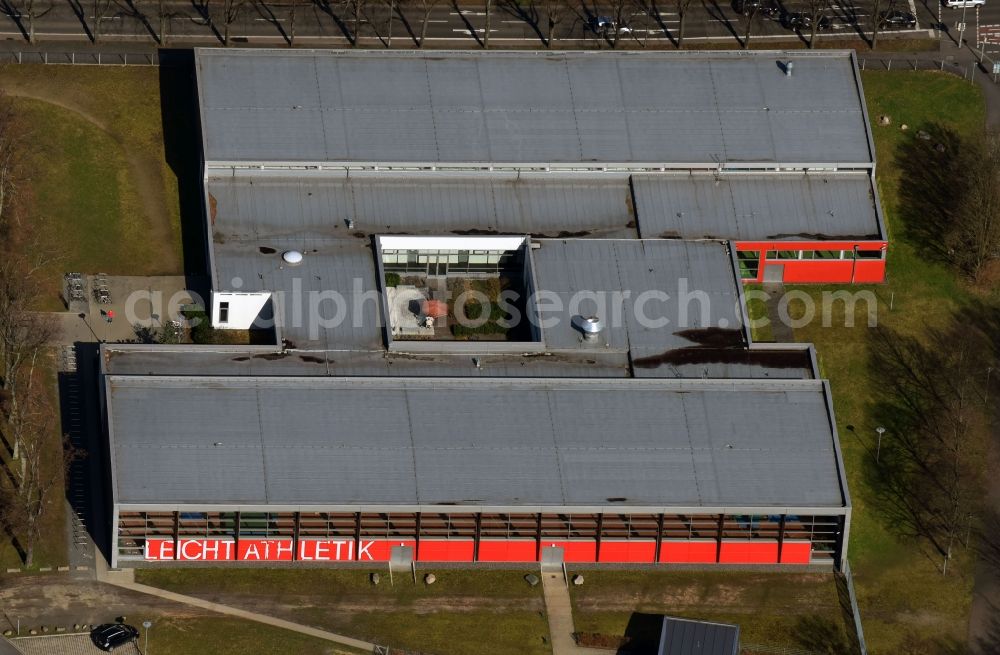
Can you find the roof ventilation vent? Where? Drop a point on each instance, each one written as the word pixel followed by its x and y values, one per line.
pixel 789 67
pixel 590 326
pixel 292 257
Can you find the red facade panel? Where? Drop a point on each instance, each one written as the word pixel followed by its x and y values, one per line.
pixel 325 550
pixel 575 550
pixel 820 271
pixel 379 550
pixel 508 550
pixel 159 549
pixel 685 551
pixel 266 550
pixel 630 550
pixel 445 550
pixel 758 551
pixel 208 550
pixel 795 551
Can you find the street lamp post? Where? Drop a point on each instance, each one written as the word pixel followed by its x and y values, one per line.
pixel 146 625
pixel 878 448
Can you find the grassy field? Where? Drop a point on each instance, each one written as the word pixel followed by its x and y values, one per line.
pixel 490 611
pixel 229 636
pixel 101 196
pixel 906 604
pixel 772 609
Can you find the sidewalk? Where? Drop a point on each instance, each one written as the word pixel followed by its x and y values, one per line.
pixel 559 610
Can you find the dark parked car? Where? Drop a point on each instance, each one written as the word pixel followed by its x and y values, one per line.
pixel 601 24
pixel 113 635
pixel 802 22
pixel 897 19
pixel 767 8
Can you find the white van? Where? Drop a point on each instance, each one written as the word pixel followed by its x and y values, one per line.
pixel 958 4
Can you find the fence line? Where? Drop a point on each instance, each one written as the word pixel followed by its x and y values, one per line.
pixel 854 608
pixel 965 70
pixel 81 58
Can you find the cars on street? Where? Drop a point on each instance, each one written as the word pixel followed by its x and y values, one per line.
pixel 799 21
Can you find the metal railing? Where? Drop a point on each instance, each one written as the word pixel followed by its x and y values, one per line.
pixel 968 69
pixel 81 58
pixel 858 629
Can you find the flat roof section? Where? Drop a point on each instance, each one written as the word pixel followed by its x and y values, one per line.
pixel 516 108
pixel 757 207
pixel 490 443
pixel 259 204
pixel 672 295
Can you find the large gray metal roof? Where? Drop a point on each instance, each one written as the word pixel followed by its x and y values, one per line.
pixel 528 442
pixel 757 207
pixel 531 108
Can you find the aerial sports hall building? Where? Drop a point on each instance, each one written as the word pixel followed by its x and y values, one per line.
pixel 595 436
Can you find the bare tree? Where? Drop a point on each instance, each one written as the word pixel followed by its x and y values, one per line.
pixel 973 240
pixel 356 8
pixel 101 10
pixel 682 12
pixel 24 13
pixel 231 11
pixel 293 6
pixel 751 11
pixel 28 490
pixel 381 22
pixel 877 25
pixel 816 11
pixel 488 7
pixel 426 8
pixel 555 11
pixel 23 332
pixel 12 157
pixel 932 400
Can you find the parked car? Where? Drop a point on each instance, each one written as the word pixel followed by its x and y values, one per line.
pixel 601 24
pixel 796 20
pixel 112 635
pixel 958 4
pixel 802 22
pixel 767 8
pixel 897 19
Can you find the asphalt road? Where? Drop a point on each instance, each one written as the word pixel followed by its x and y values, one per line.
pixel 453 25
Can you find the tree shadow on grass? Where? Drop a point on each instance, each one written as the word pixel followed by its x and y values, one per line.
pixel 933 164
pixel 823 636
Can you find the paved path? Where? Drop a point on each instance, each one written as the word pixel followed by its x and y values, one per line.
pixel 126 580
pixel 560 614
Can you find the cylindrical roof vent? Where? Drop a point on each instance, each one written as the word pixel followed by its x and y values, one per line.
pixel 292 257
pixel 590 326
pixel 789 67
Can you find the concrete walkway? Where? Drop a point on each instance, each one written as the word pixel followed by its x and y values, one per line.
pixel 559 610
pixel 126 580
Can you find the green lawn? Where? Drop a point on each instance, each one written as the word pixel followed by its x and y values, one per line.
pixel 228 636
pixel 101 196
pixel 491 611
pixel 778 610
pixel 906 604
